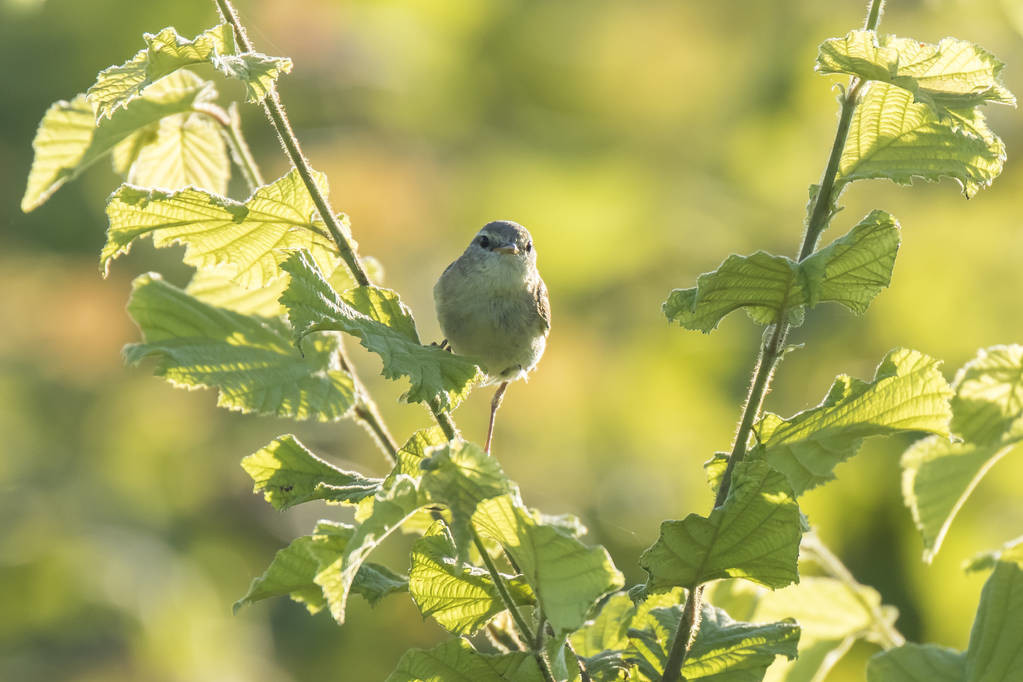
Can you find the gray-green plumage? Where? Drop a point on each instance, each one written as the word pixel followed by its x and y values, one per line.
pixel 492 304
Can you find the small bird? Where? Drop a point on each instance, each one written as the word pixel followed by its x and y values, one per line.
pixel 493 306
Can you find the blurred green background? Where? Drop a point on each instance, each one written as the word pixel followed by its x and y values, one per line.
pixel 641 143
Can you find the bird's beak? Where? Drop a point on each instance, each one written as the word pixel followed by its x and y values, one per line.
pixel 511 248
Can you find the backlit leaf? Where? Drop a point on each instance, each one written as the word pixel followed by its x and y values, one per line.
pixel 69 138
pixel 893 137
pixel 851 271
pixel 938 475
pixel 917 663
pixel 251 238
pixel 567 576
pixel 456 661
pixel 294 567
pixel 908 393
pixel 459 596
pixel 287 473
pixel 952 73
pixel 251 361
pixel 384 326
pixel 166 52
pixel 754 535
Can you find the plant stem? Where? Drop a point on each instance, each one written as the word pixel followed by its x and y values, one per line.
pixel 279 118
pixel 771 351
pixel 366 412
pixel 525 632
pixel 275 111
pixel 889 637
pixel 584 674
pixel 230 131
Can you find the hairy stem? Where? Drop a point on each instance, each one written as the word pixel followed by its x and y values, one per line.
pixel 279 118
pixel 366 411
pixel 772 350
pixel 889 637
pixel 525 632
pixel 230 131
pixel 275 111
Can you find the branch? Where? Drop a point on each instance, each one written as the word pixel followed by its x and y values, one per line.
pixel 772 350
pixel 274 109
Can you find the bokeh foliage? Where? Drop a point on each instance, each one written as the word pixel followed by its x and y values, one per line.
pixel 638 142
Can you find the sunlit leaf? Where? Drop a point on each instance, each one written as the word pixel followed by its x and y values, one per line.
pixel 217 286
pixel 166 52
pixel 69 138
pixel 1011 551
pixel 460 475
pixel 383 325
pixel 754 535
pixel 459 596
pixel 287 473
pixel 252 362
pixel 724 650
pixel 995 653
pixel 456 661
pixel 893 137
pixel 851 271
pixel 831 614
pixel 908 393
pixel 186 151
pixel 250 238
pixel 952 73
pixel 917 663
pixel 391 507
pixel 293 569
pixel 938 475
pixel 567 576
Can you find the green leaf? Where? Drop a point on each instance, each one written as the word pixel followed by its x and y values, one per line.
pixel 251 361
pixel 851 271
pixel 257 71
pixel 995 653
pixel 893 137
pixel 456 661
pixel 1011 551
pixel 917 663
pixel 216 286
pixel 166 52
pixel 287 473
pixel 384 326
pixel 186 151
pixel 908 393
pixel 251 238
pixel 725 650
pixel 293 569
pixel 69 138
pixel 938 475
pixel 460 475
pixel 832 615
pixel 459 596
pixel 952 73
pixel 608 630
pixel 567 576
pixel 854 269
pixel 391 506
pixel 754 535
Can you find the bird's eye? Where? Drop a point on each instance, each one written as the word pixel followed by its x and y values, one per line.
pixel 485 242
pixel 529 246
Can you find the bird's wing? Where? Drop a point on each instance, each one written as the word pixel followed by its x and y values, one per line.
pixel 543 304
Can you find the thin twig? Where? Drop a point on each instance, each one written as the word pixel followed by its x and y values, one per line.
pixel 525 632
